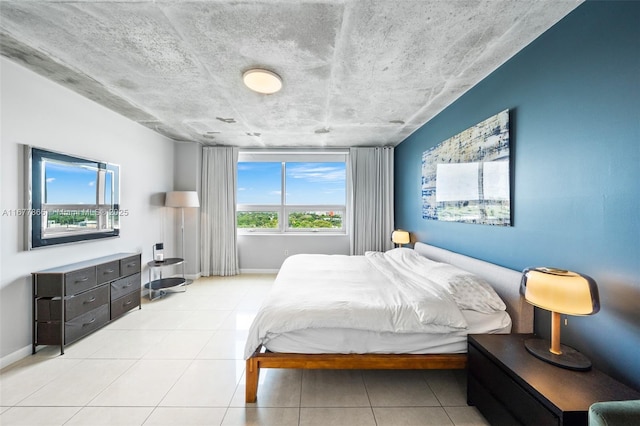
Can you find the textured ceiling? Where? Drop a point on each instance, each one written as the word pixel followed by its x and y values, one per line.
pixel 355 73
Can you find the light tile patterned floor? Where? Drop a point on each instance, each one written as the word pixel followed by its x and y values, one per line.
pixel 179 361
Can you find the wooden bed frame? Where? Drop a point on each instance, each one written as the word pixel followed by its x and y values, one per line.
pixel 505 281
pixel 262 359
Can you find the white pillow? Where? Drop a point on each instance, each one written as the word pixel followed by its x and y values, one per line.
pixel 409 258
pixel 468 290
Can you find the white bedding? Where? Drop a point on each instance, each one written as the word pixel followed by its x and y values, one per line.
pixel 384 293
pixel 348 341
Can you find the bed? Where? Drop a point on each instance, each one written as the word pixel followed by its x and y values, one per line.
pixel 381 311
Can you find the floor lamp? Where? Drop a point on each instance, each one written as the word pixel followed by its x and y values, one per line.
pixel 182 199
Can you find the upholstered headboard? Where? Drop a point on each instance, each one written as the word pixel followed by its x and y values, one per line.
pixel 506 282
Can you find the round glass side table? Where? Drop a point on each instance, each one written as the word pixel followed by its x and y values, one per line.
pixel 158 285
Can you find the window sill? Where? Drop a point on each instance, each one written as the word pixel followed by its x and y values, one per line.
pixel 292 234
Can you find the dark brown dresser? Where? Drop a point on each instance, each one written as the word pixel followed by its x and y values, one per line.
pixel 74 300
pixel 509 386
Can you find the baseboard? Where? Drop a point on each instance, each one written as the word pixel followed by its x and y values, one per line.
pixel 193 277
pixel 258 271
pixel 16 356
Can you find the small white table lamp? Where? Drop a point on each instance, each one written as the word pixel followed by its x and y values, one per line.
pixel 561 292
pixel 182 199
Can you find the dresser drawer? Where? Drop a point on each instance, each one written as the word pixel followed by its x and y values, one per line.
pixel 521 405
pixel 86 323
pixel 80 280
pixel 125 286
pixel 85 302
pixel 49 332
pixel 492 410
pixel 48 285
pixel 108 271
pixel 124 304
pixel 130 265
pixel 49 309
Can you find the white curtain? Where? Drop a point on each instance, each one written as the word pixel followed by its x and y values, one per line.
pixel 219 253
pixel 371 200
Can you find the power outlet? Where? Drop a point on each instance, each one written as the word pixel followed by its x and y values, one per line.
pixel 286 252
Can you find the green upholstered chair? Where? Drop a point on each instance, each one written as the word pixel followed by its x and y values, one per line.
pixel 615 413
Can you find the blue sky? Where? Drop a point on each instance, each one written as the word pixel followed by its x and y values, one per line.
pixel 307 183
pixel 70 185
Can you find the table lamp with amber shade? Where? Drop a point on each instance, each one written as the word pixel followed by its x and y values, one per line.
pixel 400 237
pixel 561 292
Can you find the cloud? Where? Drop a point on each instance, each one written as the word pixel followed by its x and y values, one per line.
pixel 92 183
pixel 317 172
pixel 49 180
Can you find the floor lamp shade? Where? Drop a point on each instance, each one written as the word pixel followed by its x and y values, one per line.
pixel 561 292
pixel 182 199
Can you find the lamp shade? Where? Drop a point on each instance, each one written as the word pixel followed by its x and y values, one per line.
pixel 560 291
pixel 400 236
pixel 182 199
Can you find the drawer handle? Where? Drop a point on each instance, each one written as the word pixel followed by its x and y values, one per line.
pixel 128 302
pixel 83 280
pixel 129 265
pixel 89 323
pixel 109 271
pixel 128 285
pixel 93 299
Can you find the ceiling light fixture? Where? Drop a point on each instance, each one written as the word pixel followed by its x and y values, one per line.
pixel 262 81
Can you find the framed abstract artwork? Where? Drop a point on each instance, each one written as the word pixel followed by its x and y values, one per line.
pixel 466 177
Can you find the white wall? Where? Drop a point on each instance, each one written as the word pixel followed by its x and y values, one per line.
pixel 187 177
pixel 262 253
pixel 36 111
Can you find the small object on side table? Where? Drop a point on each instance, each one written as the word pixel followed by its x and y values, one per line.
pixel 509 386
pixel 158 252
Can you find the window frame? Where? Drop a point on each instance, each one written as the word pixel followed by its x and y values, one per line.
pixel 283 210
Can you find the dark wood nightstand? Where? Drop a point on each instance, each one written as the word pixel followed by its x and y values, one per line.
pixel 510 386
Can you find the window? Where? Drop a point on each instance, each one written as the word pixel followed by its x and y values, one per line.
pixel 291 192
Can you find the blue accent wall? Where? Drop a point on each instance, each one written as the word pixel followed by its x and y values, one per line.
pixel 574 100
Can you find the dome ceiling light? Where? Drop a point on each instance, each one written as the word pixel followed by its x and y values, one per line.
pixel 262 81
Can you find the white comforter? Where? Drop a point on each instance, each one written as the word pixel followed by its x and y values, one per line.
pixel 373 292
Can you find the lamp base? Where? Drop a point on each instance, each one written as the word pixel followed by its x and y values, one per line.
pixel 570 358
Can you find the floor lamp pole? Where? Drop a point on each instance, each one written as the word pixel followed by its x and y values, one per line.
pixel 187 281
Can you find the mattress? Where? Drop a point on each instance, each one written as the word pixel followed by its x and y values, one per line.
pixel 345 341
